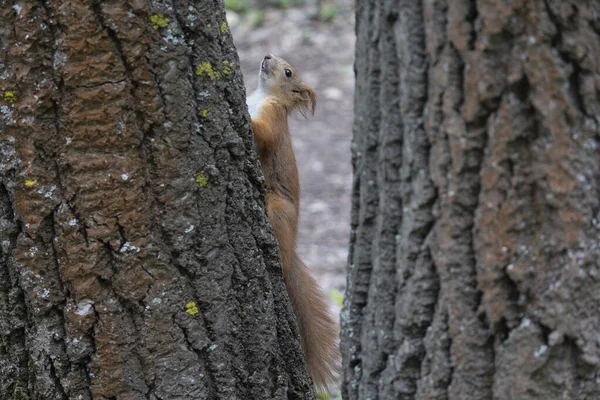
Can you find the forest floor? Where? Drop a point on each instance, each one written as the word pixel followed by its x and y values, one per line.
pixel 323 54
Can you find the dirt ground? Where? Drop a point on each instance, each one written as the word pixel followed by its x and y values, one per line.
pixel 323 55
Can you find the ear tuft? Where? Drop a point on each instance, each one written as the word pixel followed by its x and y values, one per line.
pixel 308 102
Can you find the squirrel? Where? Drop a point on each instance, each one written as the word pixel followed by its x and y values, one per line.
pixel 280 91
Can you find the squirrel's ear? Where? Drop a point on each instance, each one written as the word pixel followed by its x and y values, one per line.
pixel 309 100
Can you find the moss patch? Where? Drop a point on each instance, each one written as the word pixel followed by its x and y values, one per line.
pixel 10 96
pixel 227 67
pixel 191 308
pixel 159 21
pixel 201 179
pixel 205 69
pixel 29 183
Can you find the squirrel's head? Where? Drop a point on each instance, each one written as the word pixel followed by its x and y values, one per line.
pixel 278 78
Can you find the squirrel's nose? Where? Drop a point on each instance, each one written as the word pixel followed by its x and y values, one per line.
pixel 268 56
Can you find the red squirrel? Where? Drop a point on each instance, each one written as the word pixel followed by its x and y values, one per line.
pixel 280 91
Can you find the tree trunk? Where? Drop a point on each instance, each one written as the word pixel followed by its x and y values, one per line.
pixel 473 268
pixel 136 259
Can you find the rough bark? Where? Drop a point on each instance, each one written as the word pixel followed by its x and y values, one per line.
pixel 136 259
pixel 473 267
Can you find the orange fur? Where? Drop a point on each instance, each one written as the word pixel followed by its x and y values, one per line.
pixel 277 96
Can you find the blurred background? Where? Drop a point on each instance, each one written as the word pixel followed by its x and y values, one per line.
pixel 316 38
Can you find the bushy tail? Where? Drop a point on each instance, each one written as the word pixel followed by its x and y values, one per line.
pixel 318 330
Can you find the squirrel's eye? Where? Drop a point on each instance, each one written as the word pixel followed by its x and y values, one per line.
pixel 288 73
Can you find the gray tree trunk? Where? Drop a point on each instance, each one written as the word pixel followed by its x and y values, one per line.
pixel 473 268
pixel 136 259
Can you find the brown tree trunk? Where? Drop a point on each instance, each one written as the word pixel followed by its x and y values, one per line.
pixel 136 260
pixel 473 269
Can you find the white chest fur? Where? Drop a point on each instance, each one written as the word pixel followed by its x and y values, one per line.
pixel 254 101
